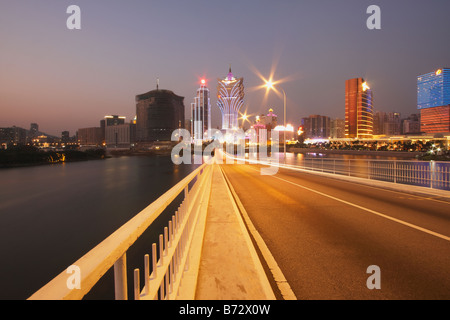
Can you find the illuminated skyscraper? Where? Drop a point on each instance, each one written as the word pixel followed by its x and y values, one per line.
pixel 433 89
pixel 201 114
pixel 433 101
pixel 230 98
pixel 358 109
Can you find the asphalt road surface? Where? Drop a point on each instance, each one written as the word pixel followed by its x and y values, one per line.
pixel 325 233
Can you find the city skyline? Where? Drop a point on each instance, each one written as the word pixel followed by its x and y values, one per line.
pixel 68 79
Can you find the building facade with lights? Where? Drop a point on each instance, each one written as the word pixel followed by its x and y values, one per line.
pixel 316 127
pixel 358 109
pixel 201 114
pixel 230 99
pixel 433 101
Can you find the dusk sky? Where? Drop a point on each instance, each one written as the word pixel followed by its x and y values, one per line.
pixel 68 79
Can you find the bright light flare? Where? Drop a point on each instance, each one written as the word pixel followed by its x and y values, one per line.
pixel 365 86
pixel 269 84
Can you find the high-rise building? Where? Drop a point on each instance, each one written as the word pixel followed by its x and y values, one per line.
pixel 93 136
pixel 433 101
pixel 158 113
pixel 120 135
pixel 13 136
pixel 411 125
pixel 34 130
pixel 316 126
pixel 435 119
pixel 230 99
pixel 433 89
pixel 387 123
pixel 337 128
pixel 114 120
pixel 201 114
pixel 358 109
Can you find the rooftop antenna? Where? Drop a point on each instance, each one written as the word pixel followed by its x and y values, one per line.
pixel 157 83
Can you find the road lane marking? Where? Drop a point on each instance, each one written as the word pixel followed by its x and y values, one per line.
pixel 342 178
pixel 280 279
pixel 368 210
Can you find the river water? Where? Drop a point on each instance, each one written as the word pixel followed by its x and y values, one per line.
pixel 52 215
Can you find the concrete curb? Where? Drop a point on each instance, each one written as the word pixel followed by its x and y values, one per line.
pixel 278 276
pixel 230 268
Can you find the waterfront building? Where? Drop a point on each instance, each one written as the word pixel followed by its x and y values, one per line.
pixel 93 136
pixel 387 123
pixel 201 114
pixel 435 120
pixel 433 101
pixel 13 136
pixel 337 128
pixel 230 99
pixel 34 130
pixel 411 125
pixel 358 109
pixel 316 127
pixel 158 113
pixel 114 120
pixel 65 136
pixel 120 135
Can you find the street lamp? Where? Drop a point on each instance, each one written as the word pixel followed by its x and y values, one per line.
pixel 271 85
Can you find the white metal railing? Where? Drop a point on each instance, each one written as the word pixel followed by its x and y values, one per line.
pixel 169 259
pixel 432 174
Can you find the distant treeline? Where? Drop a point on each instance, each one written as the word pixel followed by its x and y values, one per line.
pixel 28 155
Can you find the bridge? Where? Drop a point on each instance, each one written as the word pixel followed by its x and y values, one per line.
pixel 311 231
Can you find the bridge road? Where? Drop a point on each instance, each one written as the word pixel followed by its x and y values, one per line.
pixel 324 233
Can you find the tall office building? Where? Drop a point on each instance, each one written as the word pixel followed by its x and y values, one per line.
pixel 433 101
pixel 34 130
pixel 201 114
pixel 337 128
pixel 230 98
pixel 387 123
pixel 316 126
pixel 411 125
pixel 158 113
pixel 358 109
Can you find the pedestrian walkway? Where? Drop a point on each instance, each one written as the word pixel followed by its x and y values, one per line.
pixel 229 266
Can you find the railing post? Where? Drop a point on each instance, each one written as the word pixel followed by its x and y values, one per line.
pixel 431 173
pixel 147 273
pixel 120 278
pixel 395 171
pixel 137 282
pixel 186 194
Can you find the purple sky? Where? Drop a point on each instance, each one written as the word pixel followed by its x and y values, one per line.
pixel 68 79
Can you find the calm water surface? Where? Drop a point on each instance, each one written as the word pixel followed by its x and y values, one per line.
pixel 52 215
